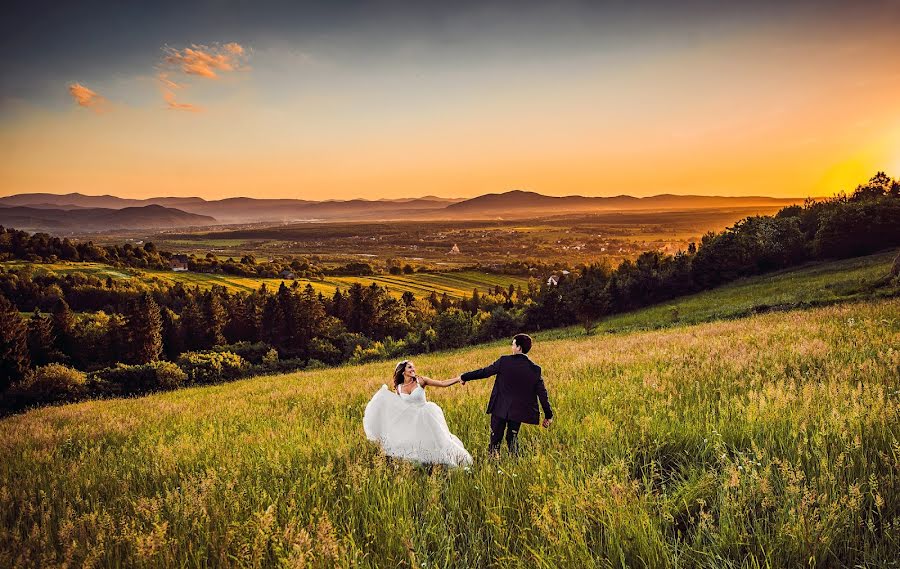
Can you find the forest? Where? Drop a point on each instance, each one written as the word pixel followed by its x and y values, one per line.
pixel 66 337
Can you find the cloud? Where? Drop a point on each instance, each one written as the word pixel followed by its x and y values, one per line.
pixel 164 80
pixel 206 61
pixel 174 105
pixel 87 98
pixel 234 49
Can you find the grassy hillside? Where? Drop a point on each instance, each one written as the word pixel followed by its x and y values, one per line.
pixel 455 284
pixel 772 440
pixel 808 285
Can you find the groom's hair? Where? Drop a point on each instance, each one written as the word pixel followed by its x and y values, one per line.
pixel 523 341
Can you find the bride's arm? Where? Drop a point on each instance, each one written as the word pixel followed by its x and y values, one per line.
pixel 436 383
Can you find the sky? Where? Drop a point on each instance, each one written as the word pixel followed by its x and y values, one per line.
pixel 340 100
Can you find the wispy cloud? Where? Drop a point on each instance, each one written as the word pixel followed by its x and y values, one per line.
pixel 88 98
pixel 164 80
pixel 209 62
pixel 173 104
pixel 206 61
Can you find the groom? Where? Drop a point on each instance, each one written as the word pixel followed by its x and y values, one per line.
pixel 517 390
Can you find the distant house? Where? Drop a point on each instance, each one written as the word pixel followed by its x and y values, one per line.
pixel 554 279
pixel 454 250
pixel 179 262
pixel 286 274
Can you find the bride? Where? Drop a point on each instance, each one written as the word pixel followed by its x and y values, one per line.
pixel 409 427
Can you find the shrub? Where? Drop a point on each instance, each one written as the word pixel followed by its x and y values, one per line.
pixel 209 367
pixel 278 366
pixel 52 382
pixel 389 348
pixel 144 377
pixel 169 375
pixel 271 357
pixel 375 351
pixel 254 353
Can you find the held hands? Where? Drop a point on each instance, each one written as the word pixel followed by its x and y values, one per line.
pixel 546 423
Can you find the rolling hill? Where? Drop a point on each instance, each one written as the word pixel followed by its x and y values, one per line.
pixel 92 218
pixel 240 209
pixel 514 203
pixel 518 203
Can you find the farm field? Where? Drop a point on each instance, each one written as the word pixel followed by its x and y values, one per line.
pixel 771 440
pixel 575 238
pixel 454 284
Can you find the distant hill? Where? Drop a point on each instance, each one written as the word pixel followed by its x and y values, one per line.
pixel 241 209
pixel 526 203
pixel 94 219
pixel 516 203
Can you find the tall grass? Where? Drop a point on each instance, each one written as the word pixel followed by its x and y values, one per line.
pixel 770 441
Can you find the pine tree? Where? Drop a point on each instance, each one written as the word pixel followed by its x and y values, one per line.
pixel 476 301
pixel 275 331
pixel 40 339
pixel 63 325
pixel 289 304
pixel 14 359
pixel 340 306
pixel 144 330
pixel 192 329
pixel 173 340
pixel 356 316
pixel 310 315
pixel 215 318
pixel 238 328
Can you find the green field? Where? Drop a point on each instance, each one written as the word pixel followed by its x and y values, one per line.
pixel 455 284
pixel 766 441
pixel 812 284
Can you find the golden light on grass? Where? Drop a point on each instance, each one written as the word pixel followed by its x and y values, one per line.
pixel 772 439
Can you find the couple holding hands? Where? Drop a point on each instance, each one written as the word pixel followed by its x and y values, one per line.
pixel 408 426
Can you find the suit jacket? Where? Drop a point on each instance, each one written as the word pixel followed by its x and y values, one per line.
pixel 517 390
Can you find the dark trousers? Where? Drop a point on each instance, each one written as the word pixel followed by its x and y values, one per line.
pixel 498 426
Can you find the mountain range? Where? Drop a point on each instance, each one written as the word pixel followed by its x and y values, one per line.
pixel 89 213
pixel 98 219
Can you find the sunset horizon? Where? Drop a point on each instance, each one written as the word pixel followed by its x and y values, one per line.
pixel 382 101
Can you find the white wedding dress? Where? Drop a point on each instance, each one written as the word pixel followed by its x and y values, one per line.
pixel 409 427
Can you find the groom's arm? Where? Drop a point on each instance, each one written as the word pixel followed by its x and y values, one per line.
pixel 544 399
pixel 482 373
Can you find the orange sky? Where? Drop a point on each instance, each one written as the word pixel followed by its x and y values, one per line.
pixel 760 111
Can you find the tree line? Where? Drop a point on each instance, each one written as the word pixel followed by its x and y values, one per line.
pixel 87 335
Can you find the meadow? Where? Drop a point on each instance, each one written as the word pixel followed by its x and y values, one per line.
pixel 766 441
pixel 812 284
pixel 456 284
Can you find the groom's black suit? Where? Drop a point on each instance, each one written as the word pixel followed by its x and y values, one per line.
pixel 518 389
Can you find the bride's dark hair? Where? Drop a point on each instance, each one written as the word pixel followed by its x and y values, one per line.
pixel 398 373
